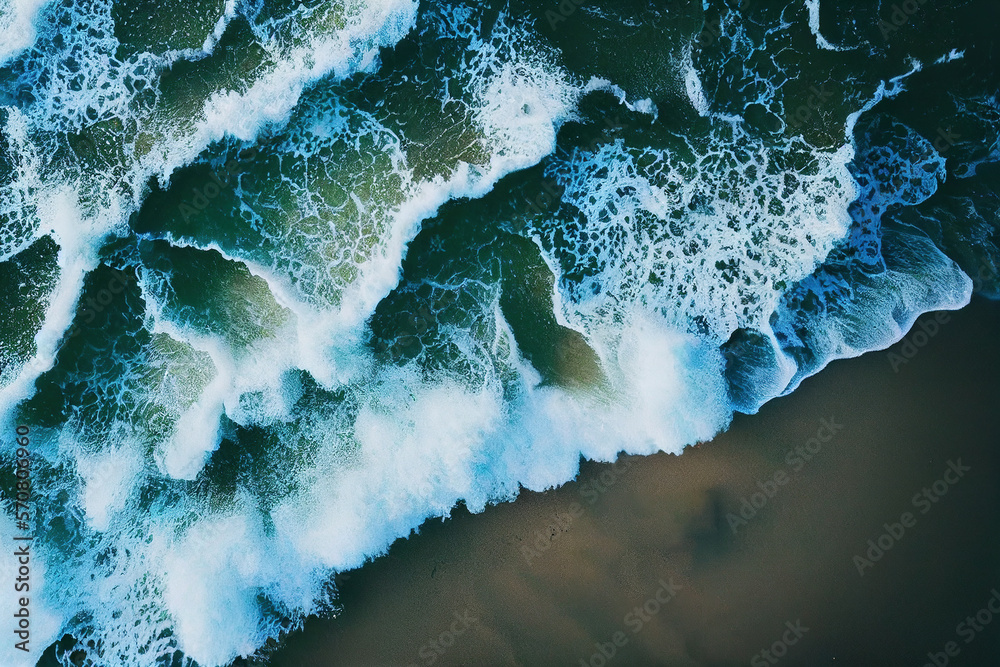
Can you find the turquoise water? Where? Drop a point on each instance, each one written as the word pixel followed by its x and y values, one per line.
pixel 281 281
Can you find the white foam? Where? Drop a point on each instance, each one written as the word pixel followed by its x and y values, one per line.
pixel 17 26
pixel 644 106
pixel 327 337
pixel 821 41
pixel 59 215
pixel 417 452
pixel 954 54
pixel 108 478
pixel 692 84
pixel 647 220
pixel 67 105
pixel 196 433
pixel 909 274
pixel 920 279
pixel 211 577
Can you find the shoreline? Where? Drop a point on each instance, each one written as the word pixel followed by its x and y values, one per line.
pixel 744 545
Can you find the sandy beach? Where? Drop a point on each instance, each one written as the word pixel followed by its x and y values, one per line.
pixel 752 549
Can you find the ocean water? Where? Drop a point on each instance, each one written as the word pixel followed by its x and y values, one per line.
pixel 280 281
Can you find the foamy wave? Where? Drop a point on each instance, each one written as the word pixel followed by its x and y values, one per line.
pixel 267 374
pixel 692 237
pixel 17 26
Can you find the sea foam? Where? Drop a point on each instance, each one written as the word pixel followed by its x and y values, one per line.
pixel 227 436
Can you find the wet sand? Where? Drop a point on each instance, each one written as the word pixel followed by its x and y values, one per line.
pixel 651 563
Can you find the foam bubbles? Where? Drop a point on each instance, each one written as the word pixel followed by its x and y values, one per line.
pixel 710 240
pixel 17 26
